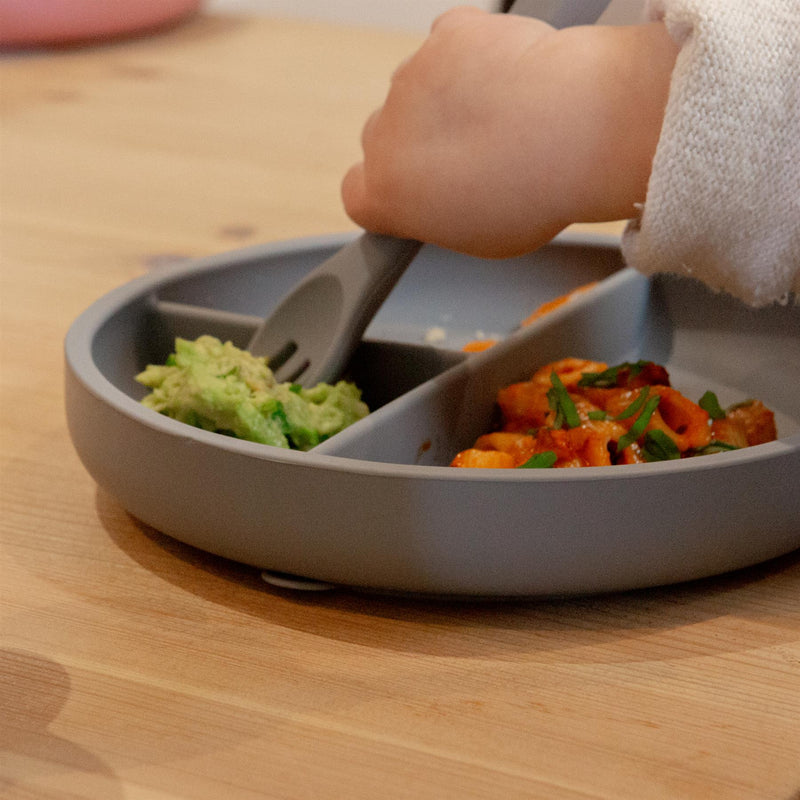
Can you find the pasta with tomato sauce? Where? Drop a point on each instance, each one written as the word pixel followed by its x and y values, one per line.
pixel 579 413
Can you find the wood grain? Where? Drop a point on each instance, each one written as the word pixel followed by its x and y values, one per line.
pixel 136 667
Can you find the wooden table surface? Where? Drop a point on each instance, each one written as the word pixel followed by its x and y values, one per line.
pixel 137 667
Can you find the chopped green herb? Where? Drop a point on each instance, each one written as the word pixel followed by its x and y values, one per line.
pixel 296 388
pixel 634 407
pixel 598 415
pixel 710 404
pixel 714 446
pixel 608 377
pixel 304 438
pixel 639 424
pixel 191 417
pixel 540 460
pixel 659 447
pixel 559 400
pixel 275 410
pixel 742 404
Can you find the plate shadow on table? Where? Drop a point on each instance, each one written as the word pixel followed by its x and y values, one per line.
pixel 764 596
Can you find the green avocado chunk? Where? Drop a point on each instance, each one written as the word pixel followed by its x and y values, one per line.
pixel 218 387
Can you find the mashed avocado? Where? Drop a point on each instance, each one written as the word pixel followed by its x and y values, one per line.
pixel 219 387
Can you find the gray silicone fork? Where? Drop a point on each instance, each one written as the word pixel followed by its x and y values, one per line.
pixel 313 332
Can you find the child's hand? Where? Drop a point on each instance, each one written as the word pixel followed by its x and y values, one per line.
pixel 501 131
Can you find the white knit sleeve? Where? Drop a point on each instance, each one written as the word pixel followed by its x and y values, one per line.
pixel 723 202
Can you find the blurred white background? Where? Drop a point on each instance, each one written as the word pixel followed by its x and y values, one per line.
pixel 415 15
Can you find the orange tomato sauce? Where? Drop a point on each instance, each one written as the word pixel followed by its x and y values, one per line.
pixel 583 413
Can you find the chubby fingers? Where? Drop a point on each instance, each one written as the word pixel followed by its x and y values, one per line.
pixel 366 200
pixel 358 203
pixel 354 194
pixel 353 187
pixel 368 207
pixel 364 196
pixel 369 127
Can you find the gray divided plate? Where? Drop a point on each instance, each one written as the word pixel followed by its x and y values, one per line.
pixel 377 507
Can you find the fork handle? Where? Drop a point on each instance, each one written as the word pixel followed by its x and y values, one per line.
pixel 343 293
pixel 368 268
pixel 382 259
pixel 561 13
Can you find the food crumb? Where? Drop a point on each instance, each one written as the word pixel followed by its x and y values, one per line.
pixel 435 335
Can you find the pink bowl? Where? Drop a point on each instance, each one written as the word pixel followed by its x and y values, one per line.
pixel 59 22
